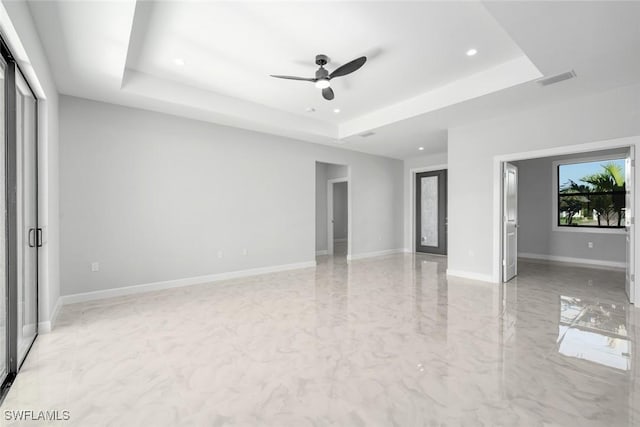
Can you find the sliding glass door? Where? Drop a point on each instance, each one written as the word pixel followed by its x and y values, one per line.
pixel 20 236
pixel 29 236
pixel 3 234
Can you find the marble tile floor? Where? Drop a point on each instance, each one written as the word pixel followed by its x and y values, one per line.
pixel 340 249
pixel 388 341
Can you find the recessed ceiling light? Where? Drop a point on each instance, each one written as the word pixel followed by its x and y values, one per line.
pixel 336 110
pixel 420 148
pixel 472 52
pixel 178 61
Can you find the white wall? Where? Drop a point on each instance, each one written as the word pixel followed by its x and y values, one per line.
pixel 22 37
pixel 536 234
pixel 410 167
pixel 472 155
pixel 153 197
pixel 337 171
pixel 340 204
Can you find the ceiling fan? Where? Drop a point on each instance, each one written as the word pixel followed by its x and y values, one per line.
pixel 323 77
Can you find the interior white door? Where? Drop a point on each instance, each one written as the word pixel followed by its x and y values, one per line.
pixel 629 224
pixel 510 222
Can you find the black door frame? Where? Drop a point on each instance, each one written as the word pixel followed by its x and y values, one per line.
pixel 441 249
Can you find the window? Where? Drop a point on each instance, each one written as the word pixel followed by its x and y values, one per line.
pixel 591 194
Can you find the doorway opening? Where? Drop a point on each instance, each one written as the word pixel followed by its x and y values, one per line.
pixel 332 210
pixel 337 214
pixel 570 209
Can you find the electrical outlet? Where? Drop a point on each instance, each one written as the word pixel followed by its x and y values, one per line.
pixel 220 254
pixel 95 266
pixel 245 252
pixel 590 245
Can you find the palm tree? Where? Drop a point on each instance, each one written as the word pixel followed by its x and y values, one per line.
pixel 611 179
pixel 573 205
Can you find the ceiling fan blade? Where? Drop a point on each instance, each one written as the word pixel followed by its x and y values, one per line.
pixel 349 67
pixel 327 93
pixel 294 78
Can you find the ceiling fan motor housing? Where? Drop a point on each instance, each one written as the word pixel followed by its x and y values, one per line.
pixel 322 73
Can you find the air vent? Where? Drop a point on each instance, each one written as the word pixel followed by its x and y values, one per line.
pixel 557 78
pixel 367 134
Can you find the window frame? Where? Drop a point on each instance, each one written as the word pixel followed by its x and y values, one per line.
pixel 555 195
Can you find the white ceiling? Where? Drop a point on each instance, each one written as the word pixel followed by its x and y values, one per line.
pixel 417 83
pixel 231 48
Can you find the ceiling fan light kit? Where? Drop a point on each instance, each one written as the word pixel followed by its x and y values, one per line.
pixel 323 83
pixel 323 78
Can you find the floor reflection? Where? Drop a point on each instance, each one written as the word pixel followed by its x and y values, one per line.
pixel 430 295
pixel 596 332
pixel 331 288
pixel 552 346
pixel 568 353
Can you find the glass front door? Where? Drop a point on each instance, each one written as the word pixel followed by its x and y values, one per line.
pixel 431 212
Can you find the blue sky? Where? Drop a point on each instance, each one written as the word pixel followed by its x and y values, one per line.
pixel 576 171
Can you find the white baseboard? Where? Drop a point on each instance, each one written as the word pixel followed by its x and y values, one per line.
pixel 582 262
pixel 471 275
pixel 322 252
pixel 178 283
pixel 339 240
pixel 46 326
pixel 374 254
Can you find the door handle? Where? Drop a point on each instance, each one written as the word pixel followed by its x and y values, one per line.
pixel 32 238
pixel 39 237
